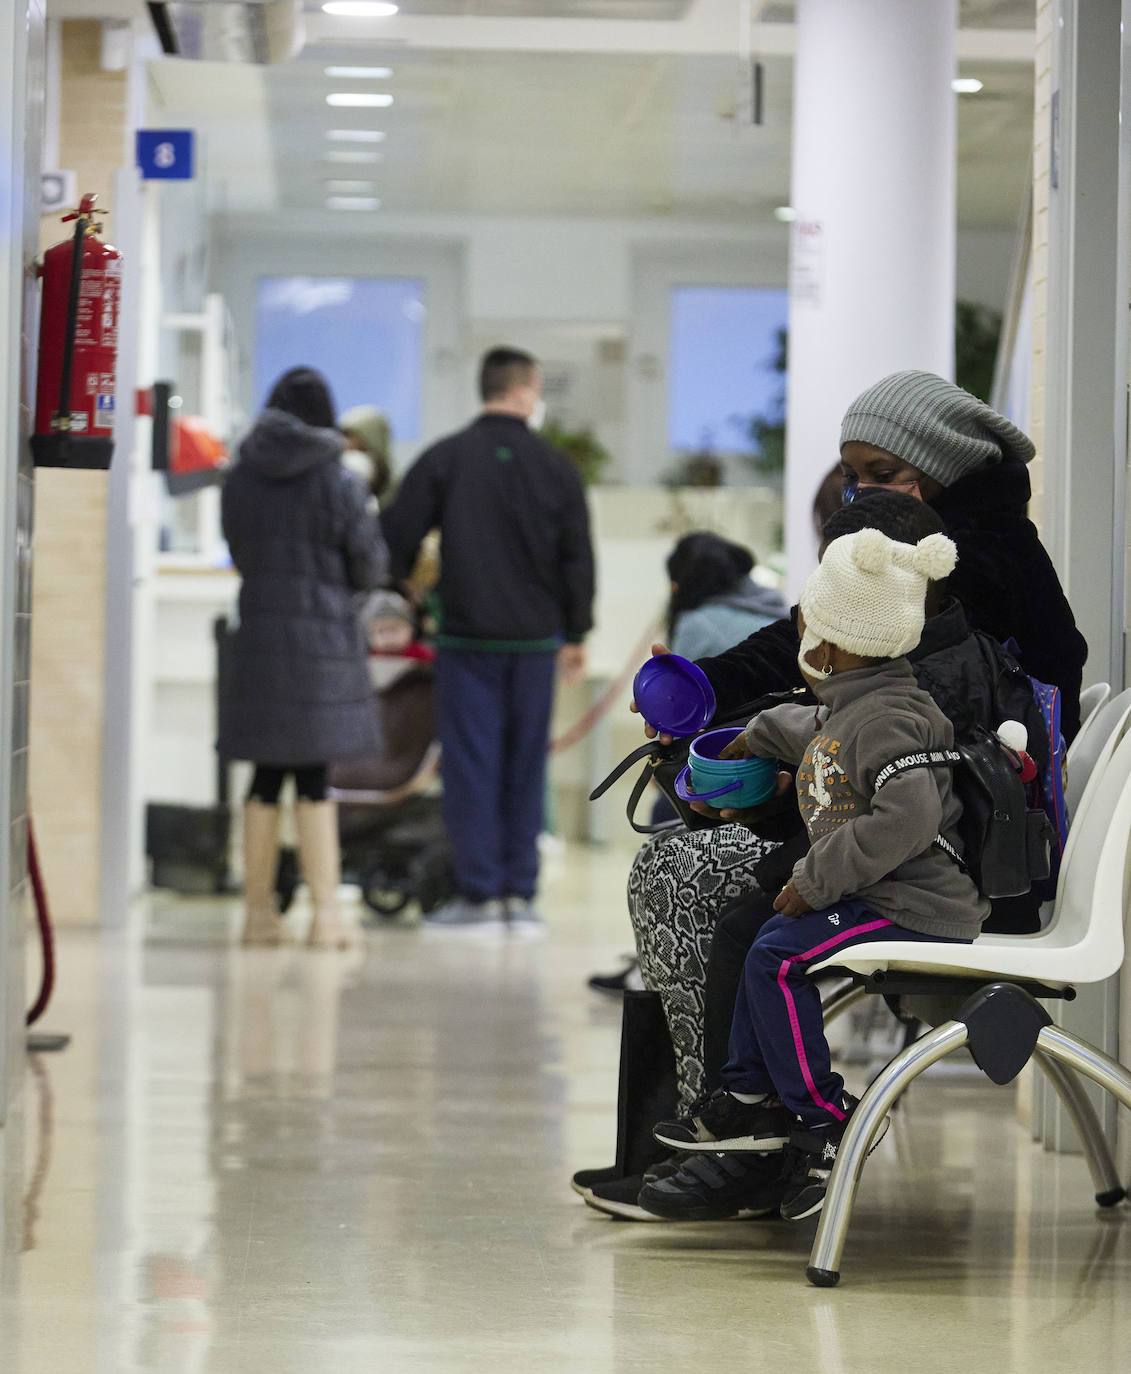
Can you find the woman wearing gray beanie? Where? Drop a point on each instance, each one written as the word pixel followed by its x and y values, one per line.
pixel 915 432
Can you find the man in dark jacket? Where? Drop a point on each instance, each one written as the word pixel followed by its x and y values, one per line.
pixel 516 593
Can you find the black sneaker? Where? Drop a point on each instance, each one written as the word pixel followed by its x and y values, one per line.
pixel 718 1188
pixel 613 984
pixel 810 1158
pixel 618 1199
pixel 666 1167
pixel 722 1122
pixel 585 1180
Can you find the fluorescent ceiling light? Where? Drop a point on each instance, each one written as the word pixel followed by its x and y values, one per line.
pixel 348 187
pixel 359 9
pixel 369 100
pixel 352 202
pixel 359 73
pixel 356 135
pixel 786 213
pixel 966 85
pixel 350 155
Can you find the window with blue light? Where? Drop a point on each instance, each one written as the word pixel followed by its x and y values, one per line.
pixel 727 377
pixel 362 333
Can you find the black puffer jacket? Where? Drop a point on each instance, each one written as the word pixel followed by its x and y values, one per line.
pixel 302 540
pixel 1007 583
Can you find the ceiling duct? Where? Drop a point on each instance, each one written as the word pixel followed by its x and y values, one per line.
pixel 256 31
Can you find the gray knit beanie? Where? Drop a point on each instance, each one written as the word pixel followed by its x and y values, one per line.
pixel 933 425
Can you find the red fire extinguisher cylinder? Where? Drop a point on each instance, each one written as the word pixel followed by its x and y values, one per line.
pixel 78 348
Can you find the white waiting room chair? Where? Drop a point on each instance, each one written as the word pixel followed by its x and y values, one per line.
pixel 1107 722
pixel 1091 699
pixel 993 986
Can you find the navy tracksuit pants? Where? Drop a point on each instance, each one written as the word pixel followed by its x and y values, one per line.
pixel 493 713
pixel 777 1039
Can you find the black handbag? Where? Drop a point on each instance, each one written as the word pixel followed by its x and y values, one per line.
pixel 776 820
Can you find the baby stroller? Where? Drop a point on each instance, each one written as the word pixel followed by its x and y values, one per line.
pixel 392 833
pixel 389 821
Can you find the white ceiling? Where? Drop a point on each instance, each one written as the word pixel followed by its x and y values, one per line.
pixel 552 9
pixel 484 132
pixel 972 14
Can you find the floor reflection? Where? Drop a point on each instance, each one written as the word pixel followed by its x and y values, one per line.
pixel 288 1159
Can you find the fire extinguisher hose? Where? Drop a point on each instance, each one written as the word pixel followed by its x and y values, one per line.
pixel 63 416
pixel 46 935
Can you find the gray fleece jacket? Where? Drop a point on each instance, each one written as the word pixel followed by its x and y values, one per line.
pixel 878 849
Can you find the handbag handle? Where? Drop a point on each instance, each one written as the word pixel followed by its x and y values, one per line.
pixel 639 787
pixel 645 751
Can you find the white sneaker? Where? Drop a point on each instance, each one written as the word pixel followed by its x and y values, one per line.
pixel 460 913
pixel 523 917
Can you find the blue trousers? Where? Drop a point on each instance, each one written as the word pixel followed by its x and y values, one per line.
pixel 777 1038
pixel 493 712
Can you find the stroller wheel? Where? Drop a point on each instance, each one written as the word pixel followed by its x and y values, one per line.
pixel 381 894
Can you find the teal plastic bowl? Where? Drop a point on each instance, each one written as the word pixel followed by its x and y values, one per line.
pixel 726 783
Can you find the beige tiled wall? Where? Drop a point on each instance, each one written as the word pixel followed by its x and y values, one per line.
pixel 70 548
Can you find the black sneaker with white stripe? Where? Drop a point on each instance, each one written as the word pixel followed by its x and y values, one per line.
pixel 721 1122
pixel 809 1160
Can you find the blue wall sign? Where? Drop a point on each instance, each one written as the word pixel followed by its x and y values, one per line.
pixel 166 154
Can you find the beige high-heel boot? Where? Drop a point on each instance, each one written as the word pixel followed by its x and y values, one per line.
pixel 262 923
pixel 320 860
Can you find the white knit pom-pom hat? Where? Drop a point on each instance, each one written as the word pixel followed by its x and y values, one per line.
pixel 868 593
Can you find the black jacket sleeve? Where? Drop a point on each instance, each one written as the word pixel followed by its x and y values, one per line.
pixel 575 559
pixel 416 510
pixel 764 662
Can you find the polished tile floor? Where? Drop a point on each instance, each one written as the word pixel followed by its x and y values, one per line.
pixel 319 1164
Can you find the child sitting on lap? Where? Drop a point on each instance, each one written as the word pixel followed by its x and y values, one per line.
pixel 873 872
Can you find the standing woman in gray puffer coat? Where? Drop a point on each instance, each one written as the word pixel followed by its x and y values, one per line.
pixel 298 696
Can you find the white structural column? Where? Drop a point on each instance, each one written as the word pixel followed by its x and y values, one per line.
pixel 872 252
pixel 1084 521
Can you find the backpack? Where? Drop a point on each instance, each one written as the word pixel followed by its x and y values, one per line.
pixel 1006 845
pixel 1050 781
pixel 1049 788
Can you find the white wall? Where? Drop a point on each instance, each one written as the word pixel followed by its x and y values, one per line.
pixel 984 264
pixel 555 285
pixel 245 250
pixel 515 280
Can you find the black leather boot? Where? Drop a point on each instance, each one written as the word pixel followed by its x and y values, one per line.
pixel 647 1091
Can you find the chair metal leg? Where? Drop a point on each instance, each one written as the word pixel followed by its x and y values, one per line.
pixel 824 1259
pixel 841 1000
pixel 1105 1176
pixel 1086 1059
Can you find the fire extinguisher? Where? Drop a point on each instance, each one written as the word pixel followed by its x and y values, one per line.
pixel 78 348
